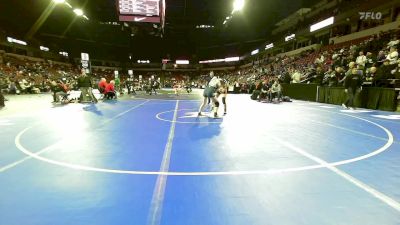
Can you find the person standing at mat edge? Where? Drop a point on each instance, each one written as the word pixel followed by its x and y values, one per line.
pixel 352 85
pixel 85 85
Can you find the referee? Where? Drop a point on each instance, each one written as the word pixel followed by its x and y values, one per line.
pixel 85 85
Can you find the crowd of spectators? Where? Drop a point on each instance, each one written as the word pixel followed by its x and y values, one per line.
pixel 375 58
pixel 23 76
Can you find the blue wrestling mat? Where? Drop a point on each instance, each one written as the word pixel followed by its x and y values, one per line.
pixel 153 162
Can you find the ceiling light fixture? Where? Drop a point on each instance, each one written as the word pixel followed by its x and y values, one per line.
pixel 78 12
pixel 238 5
pixel 59 1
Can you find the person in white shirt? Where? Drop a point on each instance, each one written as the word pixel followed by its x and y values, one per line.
pixel 393 55
pixel 361 60
pixel 393 42
pixel 320 60
pixel 296 77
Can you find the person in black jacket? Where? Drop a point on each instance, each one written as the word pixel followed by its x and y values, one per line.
pixel 352 85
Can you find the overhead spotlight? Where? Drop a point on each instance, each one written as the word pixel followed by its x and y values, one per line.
pixel 78 12
pixel 238 5
pixel 59 1
pixel 224 22
pixel 85 17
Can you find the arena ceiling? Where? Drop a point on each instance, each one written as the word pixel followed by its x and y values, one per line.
pixel 181 39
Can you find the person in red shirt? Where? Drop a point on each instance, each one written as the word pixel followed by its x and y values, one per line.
pixel 110 90
pixel 102 85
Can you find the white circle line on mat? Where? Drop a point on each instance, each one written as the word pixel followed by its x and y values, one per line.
pixel 158 116
pixel 211 173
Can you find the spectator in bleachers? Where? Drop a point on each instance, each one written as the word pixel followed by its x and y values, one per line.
pixel 397 70
pixel 327 76
pixel 321 59
pixel 393 55
pixel 370 61
pixel 380 58
pixel 296 76
pixel 371 74
pixel 319 76
pixel 339 73
pixel 383 73
pixel 352 65
pixel 361 60
pixel 393 42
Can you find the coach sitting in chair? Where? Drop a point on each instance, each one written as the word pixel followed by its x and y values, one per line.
pixel 109 92
pixel 60 91
pixel 102 85
pixel 85 85
pixel 265 90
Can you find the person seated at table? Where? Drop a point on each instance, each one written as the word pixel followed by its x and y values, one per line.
pixel 109 91
pixel 60 92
